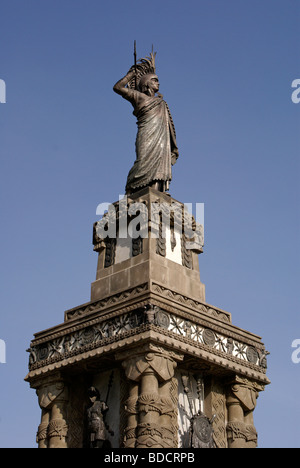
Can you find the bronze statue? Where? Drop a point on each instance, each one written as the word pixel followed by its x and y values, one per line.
pixel 95 417
pixel 156 147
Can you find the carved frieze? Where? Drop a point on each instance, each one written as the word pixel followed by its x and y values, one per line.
pixel 101 333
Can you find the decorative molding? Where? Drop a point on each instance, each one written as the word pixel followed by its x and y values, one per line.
pixel 137 246
pixel 161 247
pixel 110 252
pixel 106 302
pixel 186 254
pixel 107 331
pixel 218 408
pixel 196 305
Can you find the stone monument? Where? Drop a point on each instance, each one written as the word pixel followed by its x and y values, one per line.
pixel 147 363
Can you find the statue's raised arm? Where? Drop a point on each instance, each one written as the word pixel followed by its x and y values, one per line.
pixel 156 147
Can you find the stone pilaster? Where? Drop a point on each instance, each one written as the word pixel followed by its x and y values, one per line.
pixel 42 433
pixel 53 429
pixel 131 407
pixel 151 411
pixel 241 402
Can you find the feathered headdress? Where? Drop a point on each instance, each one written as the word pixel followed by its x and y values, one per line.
pixel 142 67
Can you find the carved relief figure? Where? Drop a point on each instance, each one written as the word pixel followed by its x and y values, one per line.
pixel 95 417
pixel 156 147
pixel 201 432
pixel 201 429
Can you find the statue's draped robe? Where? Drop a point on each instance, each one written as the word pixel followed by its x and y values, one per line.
pixel 155 143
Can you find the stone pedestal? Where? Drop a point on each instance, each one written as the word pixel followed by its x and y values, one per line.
pixel 164 361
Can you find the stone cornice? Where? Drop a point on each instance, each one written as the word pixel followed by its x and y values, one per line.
pixel 135 337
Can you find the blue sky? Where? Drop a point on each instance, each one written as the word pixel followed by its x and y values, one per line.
pixel 67 144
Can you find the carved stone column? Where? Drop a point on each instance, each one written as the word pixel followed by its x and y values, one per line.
pixel 53 429
pixel 149 432
pixel 42 433
pixel 132 420
pixel 241 402
pixel 168 418
pixel 150 421
pixel 58 428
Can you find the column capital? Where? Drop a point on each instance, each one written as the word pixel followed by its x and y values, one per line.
pixel 162 365
pixel 245 391
pixel 241 399
pixel 51 392
pixel 245 382
pixel 147 358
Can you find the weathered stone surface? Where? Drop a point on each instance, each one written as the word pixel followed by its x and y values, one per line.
pixel 163 359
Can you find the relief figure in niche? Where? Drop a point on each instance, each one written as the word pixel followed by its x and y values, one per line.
pixel 96 420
